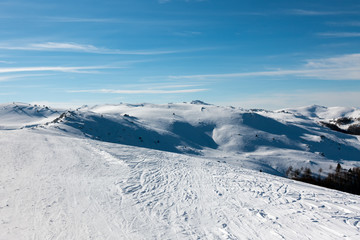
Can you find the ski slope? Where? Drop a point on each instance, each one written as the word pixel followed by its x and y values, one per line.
pixel 69 179
pixel 59 187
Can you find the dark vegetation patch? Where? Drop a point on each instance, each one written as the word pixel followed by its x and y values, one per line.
pixel 346 180
pixel 353 129
pixel 344 121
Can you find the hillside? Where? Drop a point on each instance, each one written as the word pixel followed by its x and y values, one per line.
pixel 186 171
pixel 17 115
pixel 270 141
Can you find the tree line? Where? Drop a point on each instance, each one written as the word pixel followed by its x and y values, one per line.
pixel 346 180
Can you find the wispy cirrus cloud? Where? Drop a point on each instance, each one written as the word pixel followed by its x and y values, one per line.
pixel 339 34
pixel 348 23
pixel 7 93
pixel 6 62
pixel 165 1
pixel 84 69
pixel 274 101
pixel 141 91
pixel 83 20
pixel 8 78
pixel 87 48
pixel 345 67
pixel 153 88
pixel 304 12
pixel 19 76
pixel 187 33
pixel 122 21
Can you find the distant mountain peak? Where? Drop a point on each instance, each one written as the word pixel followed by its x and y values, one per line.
pixel 199 102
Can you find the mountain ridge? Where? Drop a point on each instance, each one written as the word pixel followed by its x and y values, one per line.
pixel 203 129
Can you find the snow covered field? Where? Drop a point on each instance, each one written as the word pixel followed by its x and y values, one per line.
pixel 177 171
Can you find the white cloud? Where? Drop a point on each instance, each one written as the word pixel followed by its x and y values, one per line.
pixel 7 93
pixel 339 34
pixel 87 48
pixel 6 62
pixel 82 20
pixel 351 23
pixel 345 67
pixel 298 99
pixel 303 12
pixel 159 85
pixel 127 21
pixel 162 86
pixel 53 69
pixel 61 46
pixel 344 61
pixel 11 77
pixel 141 91
pixel 187 33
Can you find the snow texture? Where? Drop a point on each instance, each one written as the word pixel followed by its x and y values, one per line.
pixel 174 171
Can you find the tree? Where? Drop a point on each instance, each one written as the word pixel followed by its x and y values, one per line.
pixel 338 168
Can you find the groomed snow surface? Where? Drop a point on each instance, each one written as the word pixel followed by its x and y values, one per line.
pixel 97 174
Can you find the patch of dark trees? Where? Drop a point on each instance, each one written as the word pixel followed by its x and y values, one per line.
pixel 353 129
pixel 344 121
pixel 346 180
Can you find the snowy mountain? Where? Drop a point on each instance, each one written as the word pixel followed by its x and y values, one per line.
pixel 255 139
pixel 186 170
pixel 17 115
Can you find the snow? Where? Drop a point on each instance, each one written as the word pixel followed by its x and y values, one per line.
pixel 17 115
pixel 233 133
pixel 70 179
pixel 328 113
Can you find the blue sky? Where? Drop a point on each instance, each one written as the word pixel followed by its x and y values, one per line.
pixel 252 54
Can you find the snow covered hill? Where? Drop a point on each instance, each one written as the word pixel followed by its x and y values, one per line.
pixel 255 139
pixel 17 115
pixel 173 171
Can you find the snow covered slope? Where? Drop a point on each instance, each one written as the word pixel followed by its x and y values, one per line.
pixel 341 119
pixel 270 141
pixel 255 139
pixel 61 187
pixel 326 113
pixel 173 171
pixel 17 115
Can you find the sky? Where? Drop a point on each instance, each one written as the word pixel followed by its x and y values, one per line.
pixel 250 54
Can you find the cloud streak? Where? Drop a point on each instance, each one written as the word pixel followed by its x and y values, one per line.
pixel 83 20
pixel 351 23
pixel 345 67
pixel 339 34
pixel 17 76
pixel 87 48
pixel 6 62
pixel 143 91
pixel 54 69
pixel 296 99
pixel 127 21
pixel 304 12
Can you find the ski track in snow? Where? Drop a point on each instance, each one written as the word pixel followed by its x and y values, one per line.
pixel 58 187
